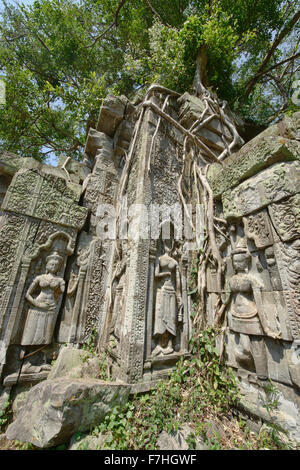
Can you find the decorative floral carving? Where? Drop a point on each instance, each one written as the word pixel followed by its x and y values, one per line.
pixel 257 227
pixel 285 216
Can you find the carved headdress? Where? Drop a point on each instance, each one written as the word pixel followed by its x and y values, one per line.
pixel 241 247
pixel 56 256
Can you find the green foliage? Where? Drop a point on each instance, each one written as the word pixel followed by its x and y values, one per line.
pixel 60 58
pixel 89 349
pixel 191 441
pixel 103 366
pixel 78 437
pixel 83 446
pixel 90 344
pixel 271 436
pixel 61 447
pixel 195 387
pixel 24 445
pixel 272 396
pixel 5 415
pixel 218 382
pixel 163 63
pixel 54 81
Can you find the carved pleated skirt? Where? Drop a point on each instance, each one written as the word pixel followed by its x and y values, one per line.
pixel 165 310
pixel 39 326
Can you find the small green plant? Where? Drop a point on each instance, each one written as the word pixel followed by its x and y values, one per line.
pixel 272 397
pixel 191 441
pixel 271 437
pixel 89 350
pixel 103 366
pixel 79 436
pixel 24 445
pixel 85 356
pixel 195 387
pixel 5 415
pixel 214 443
pixel 115 425
pixel 83 446
pixel 216 381
pixel 91 342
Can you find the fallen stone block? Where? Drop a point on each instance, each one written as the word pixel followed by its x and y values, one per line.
pixel 57 409
pixel 77 364
pixel 68 359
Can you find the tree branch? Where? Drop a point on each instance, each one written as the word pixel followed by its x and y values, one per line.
pixel 292 57
pixel 252 82
pixel 155 13
pixel 114 23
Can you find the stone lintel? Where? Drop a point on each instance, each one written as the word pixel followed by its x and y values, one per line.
pixel 269 186
pixel 256 155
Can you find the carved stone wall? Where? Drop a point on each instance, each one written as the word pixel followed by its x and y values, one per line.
pixel 77 257
pixel 133 305
pixel 259 198
pixel 38 228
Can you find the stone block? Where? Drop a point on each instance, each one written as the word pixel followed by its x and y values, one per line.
pixel 191 108
pixel 276 312
pixel 112 112
pixel 285 216
pixel 87 442
pixel 57 409
pixel 177 440
pixel 98 141
pixel 278 369
pixel 269 186
pixel 261 152
pixel 77 170
pixel 254 400
pixel 19 402
pixel 68 359
pixel 211 303
pixel 10 163
pixel 46 197
pixel 75 363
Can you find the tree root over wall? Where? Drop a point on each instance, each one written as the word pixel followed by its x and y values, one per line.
pixel 202 157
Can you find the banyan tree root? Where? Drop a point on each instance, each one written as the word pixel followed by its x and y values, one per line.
pixel 214 109
pixel 63 167
pixel 155 133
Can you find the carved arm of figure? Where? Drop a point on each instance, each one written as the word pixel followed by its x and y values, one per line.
pixel 121 268
pixel 161 275
pixel 73 283
pixel 257 288
pixel 31 289
pixel 62 285
pixel 226 295
pixel 225 299
pixel 178 294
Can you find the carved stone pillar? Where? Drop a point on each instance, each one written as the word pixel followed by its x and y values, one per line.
pixel 150 302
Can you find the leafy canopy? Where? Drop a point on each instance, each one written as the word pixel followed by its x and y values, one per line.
pixel 60 58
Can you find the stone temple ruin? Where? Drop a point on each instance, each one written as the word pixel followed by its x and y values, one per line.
pixel 77 258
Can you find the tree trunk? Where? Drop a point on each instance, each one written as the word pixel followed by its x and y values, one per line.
pixel 200 80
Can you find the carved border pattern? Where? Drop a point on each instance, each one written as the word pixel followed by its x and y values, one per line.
pixel 285 257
